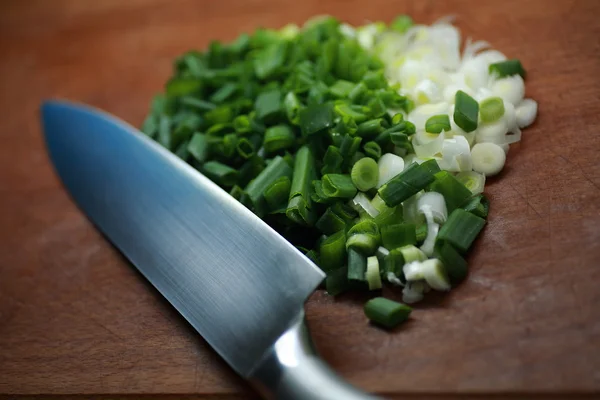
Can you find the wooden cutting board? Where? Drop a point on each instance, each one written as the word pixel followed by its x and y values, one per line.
pixel 76 319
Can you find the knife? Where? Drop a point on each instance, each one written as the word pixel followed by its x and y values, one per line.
pixel 232 277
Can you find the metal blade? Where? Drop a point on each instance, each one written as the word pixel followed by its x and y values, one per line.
pixel 237 281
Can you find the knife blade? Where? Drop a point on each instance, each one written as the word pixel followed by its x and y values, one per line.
pixel 233 278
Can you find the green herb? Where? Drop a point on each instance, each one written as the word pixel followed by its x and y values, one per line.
pixel 386 313
pixel 466 111
pixel 507 68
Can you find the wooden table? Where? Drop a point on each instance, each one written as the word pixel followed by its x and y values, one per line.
pixel 76 319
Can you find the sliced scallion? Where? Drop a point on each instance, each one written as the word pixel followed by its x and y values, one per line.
pixel 333 251
pixel 461 229
pixel 357 265
pixel 491 109
pixel 438 123
pixel 405 184
pixel 386 313
pixel 507 68
pixel 338 186
pixel 398 235
pixel 365 174
pixel 222 174
pixel 466 111
pixel 372 274
pixel 478 205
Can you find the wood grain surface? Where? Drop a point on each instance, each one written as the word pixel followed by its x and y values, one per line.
pixel 76 319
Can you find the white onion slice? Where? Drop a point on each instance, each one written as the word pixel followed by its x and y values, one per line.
pixel 526 112
pixel 433 206
pixel 510 88
pixel 362 202
pixel 389 165
pixel 431 148
pixel 421 114
pixel 456 154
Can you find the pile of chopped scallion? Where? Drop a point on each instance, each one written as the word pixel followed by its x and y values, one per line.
pixel 367 148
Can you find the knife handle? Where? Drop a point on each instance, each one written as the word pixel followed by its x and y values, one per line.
pixel 292 370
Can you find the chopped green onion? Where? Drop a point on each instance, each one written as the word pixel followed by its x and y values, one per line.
pixel 336 281
pixel 349 146
pixel 375 79
pixel 461 229
pixel 277 193
pixel 338 186
pixel 438 123
pixel 344 110
pixel 341 88
pixel 389 215
pixel 292 108
pixel 365 174
pixel 378 203
pixel 491 109
pixel 358 93
pixel 401 141
pixel 198 104
pixel 390 165
pixel 333 251
pixel 276 169
pixel 488 158
pixel 373 150
pixel 278 138
pixel 401 23
pixel 182 151
pixel 421 232
pixel 164 131
pixel 250 169
pixel 330 223
pixel 411 253
pixel 431 166
pixel 299 206
pixel 364 236
pixel 357 265
pixel 361 203
pixel 316 118
pixel 268 105
pixel 220 173
pixel 241 124
pixel 393 264
pixel 313 256
pixel 474 181
pixel 455 264
pixel 432 271
pixel 466 111
pixel 181 86
pixel 372 274
pixel 406 184
pixel 224 92
pixel 507 68
pixel 363 242
pixel 386 313
pixel 454 192
pixel 236 192
pixel 318 196
pixel 332 162
pixel 433 206
pixel 344 211
pixel 372 128
pixel 150 125
pixel 398 235
pixel 478 205
pixel 270 59
pixel 198 147
pixel 245 148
